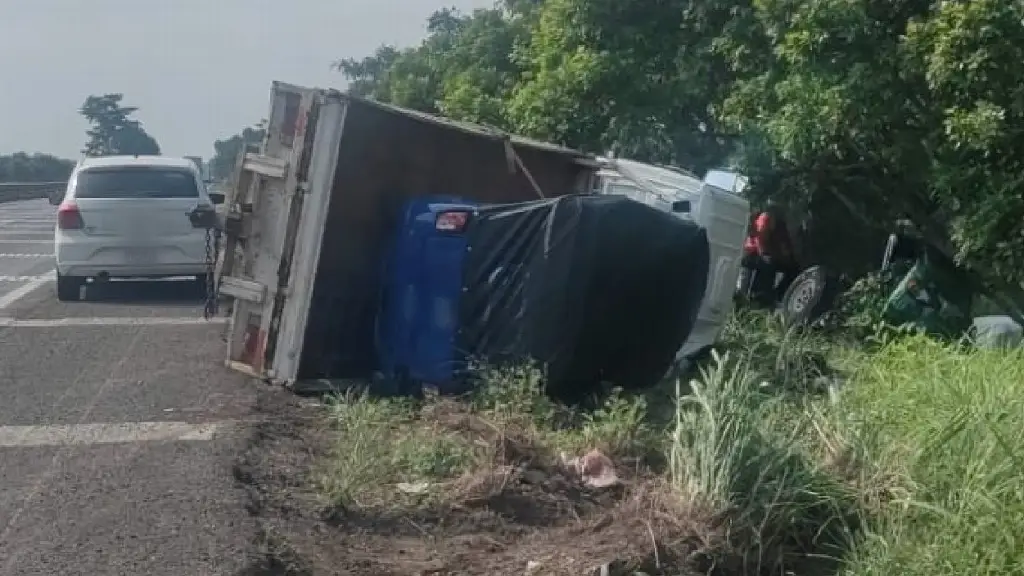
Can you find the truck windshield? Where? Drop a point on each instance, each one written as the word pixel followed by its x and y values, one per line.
pixel 136 182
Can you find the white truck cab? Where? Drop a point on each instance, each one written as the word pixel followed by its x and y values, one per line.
pixel 723 213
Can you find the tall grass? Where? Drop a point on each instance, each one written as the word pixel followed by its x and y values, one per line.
pixel 949 424
pixel 783 510
pixel 926 437
pixel 912 463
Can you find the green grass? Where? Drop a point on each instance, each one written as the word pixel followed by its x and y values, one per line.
pixel 926 437
pixel 890 454
pixel 383 446
pixel 731 453
pixel 947 423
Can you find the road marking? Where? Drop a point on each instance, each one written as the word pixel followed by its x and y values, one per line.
pixel 36 255
pixel 16 241
pixel 22 278
pixel 112 433
pixel 23 235
pixel 22 291
pixel 111 321
pixel 51 470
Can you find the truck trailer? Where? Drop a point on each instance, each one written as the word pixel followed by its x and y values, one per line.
pixel 312 214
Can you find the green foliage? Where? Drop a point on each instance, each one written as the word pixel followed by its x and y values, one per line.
pixel 638 78
pixel 730 451
pixel 858 310
pixel 881 109
pixel 946 425
pixel 113 130
pixel 22 167
pixel 909 109
pixel 225 152
pixel 924 437
pixel 382 442
pixel 464 69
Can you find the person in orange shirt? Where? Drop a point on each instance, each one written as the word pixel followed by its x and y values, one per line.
pixel 767 253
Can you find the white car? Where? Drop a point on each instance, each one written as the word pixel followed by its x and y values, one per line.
pixel 129 217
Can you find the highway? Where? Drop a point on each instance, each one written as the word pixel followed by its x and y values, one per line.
pixel 118 423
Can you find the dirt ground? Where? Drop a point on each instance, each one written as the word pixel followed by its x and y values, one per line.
pixel 517 521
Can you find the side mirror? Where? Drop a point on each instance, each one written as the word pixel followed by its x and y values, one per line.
pixel 55 197
pixel 216 197
pixel 681 206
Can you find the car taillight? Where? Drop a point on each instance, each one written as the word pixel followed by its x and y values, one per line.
pixel 451 221
pixel 69 218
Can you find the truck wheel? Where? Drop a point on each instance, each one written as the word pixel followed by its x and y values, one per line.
pixel 68 287
pixel 810 295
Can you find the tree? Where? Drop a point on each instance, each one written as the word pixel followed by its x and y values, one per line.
pixel 225 152
pixel 905 108
pixel 856 112
pixel 464 69
pixel 592 75
pixel 22 167
pixel 633 76
pixel 113 130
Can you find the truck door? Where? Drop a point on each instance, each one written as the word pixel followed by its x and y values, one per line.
pixel 265 211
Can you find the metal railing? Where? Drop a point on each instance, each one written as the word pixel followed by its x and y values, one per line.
pixel 11 191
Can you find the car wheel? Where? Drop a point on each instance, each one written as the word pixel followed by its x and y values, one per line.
pixel 809 296
pixel 68 287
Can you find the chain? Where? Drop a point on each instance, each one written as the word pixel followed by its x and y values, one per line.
pixel 210 307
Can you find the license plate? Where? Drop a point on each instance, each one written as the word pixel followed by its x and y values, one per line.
pixel 141 256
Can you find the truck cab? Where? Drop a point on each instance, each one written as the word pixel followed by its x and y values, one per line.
pixel 722 212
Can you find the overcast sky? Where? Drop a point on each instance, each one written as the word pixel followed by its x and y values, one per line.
pixel 197 70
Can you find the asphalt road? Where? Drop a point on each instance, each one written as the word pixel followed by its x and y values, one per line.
pixel 118 423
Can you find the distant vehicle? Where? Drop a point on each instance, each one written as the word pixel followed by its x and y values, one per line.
pixel 129 217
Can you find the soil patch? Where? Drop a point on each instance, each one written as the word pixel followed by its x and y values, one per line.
pixel 517 518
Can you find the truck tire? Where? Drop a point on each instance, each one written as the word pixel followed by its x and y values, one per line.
pixel 810 295
pixel 68 287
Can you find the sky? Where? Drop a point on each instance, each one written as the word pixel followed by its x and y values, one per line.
pixel 198 70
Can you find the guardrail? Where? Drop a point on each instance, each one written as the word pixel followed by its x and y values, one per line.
pixel 11 191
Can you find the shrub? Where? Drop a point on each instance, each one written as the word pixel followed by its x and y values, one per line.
pixel 726 453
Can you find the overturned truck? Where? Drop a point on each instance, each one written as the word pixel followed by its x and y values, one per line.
pixel 314 215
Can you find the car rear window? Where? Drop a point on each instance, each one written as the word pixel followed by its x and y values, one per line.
pixel 136 182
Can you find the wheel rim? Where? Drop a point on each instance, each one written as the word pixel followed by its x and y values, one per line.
pixel 802 296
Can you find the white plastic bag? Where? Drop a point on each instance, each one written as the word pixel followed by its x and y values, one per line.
pixel 997 332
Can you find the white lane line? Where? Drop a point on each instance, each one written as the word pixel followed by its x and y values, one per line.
pixel 111 321
pixel 51 470
pixel 35 255
pixel 21 278
pixel 22 291
pixel 16 241
pixel 112 433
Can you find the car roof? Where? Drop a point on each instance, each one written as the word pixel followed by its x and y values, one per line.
pixel 133 161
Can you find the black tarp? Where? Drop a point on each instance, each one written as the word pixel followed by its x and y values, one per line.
pixel 592 288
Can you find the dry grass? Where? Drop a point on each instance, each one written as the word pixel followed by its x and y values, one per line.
pixel 790 454
pixel 496 467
